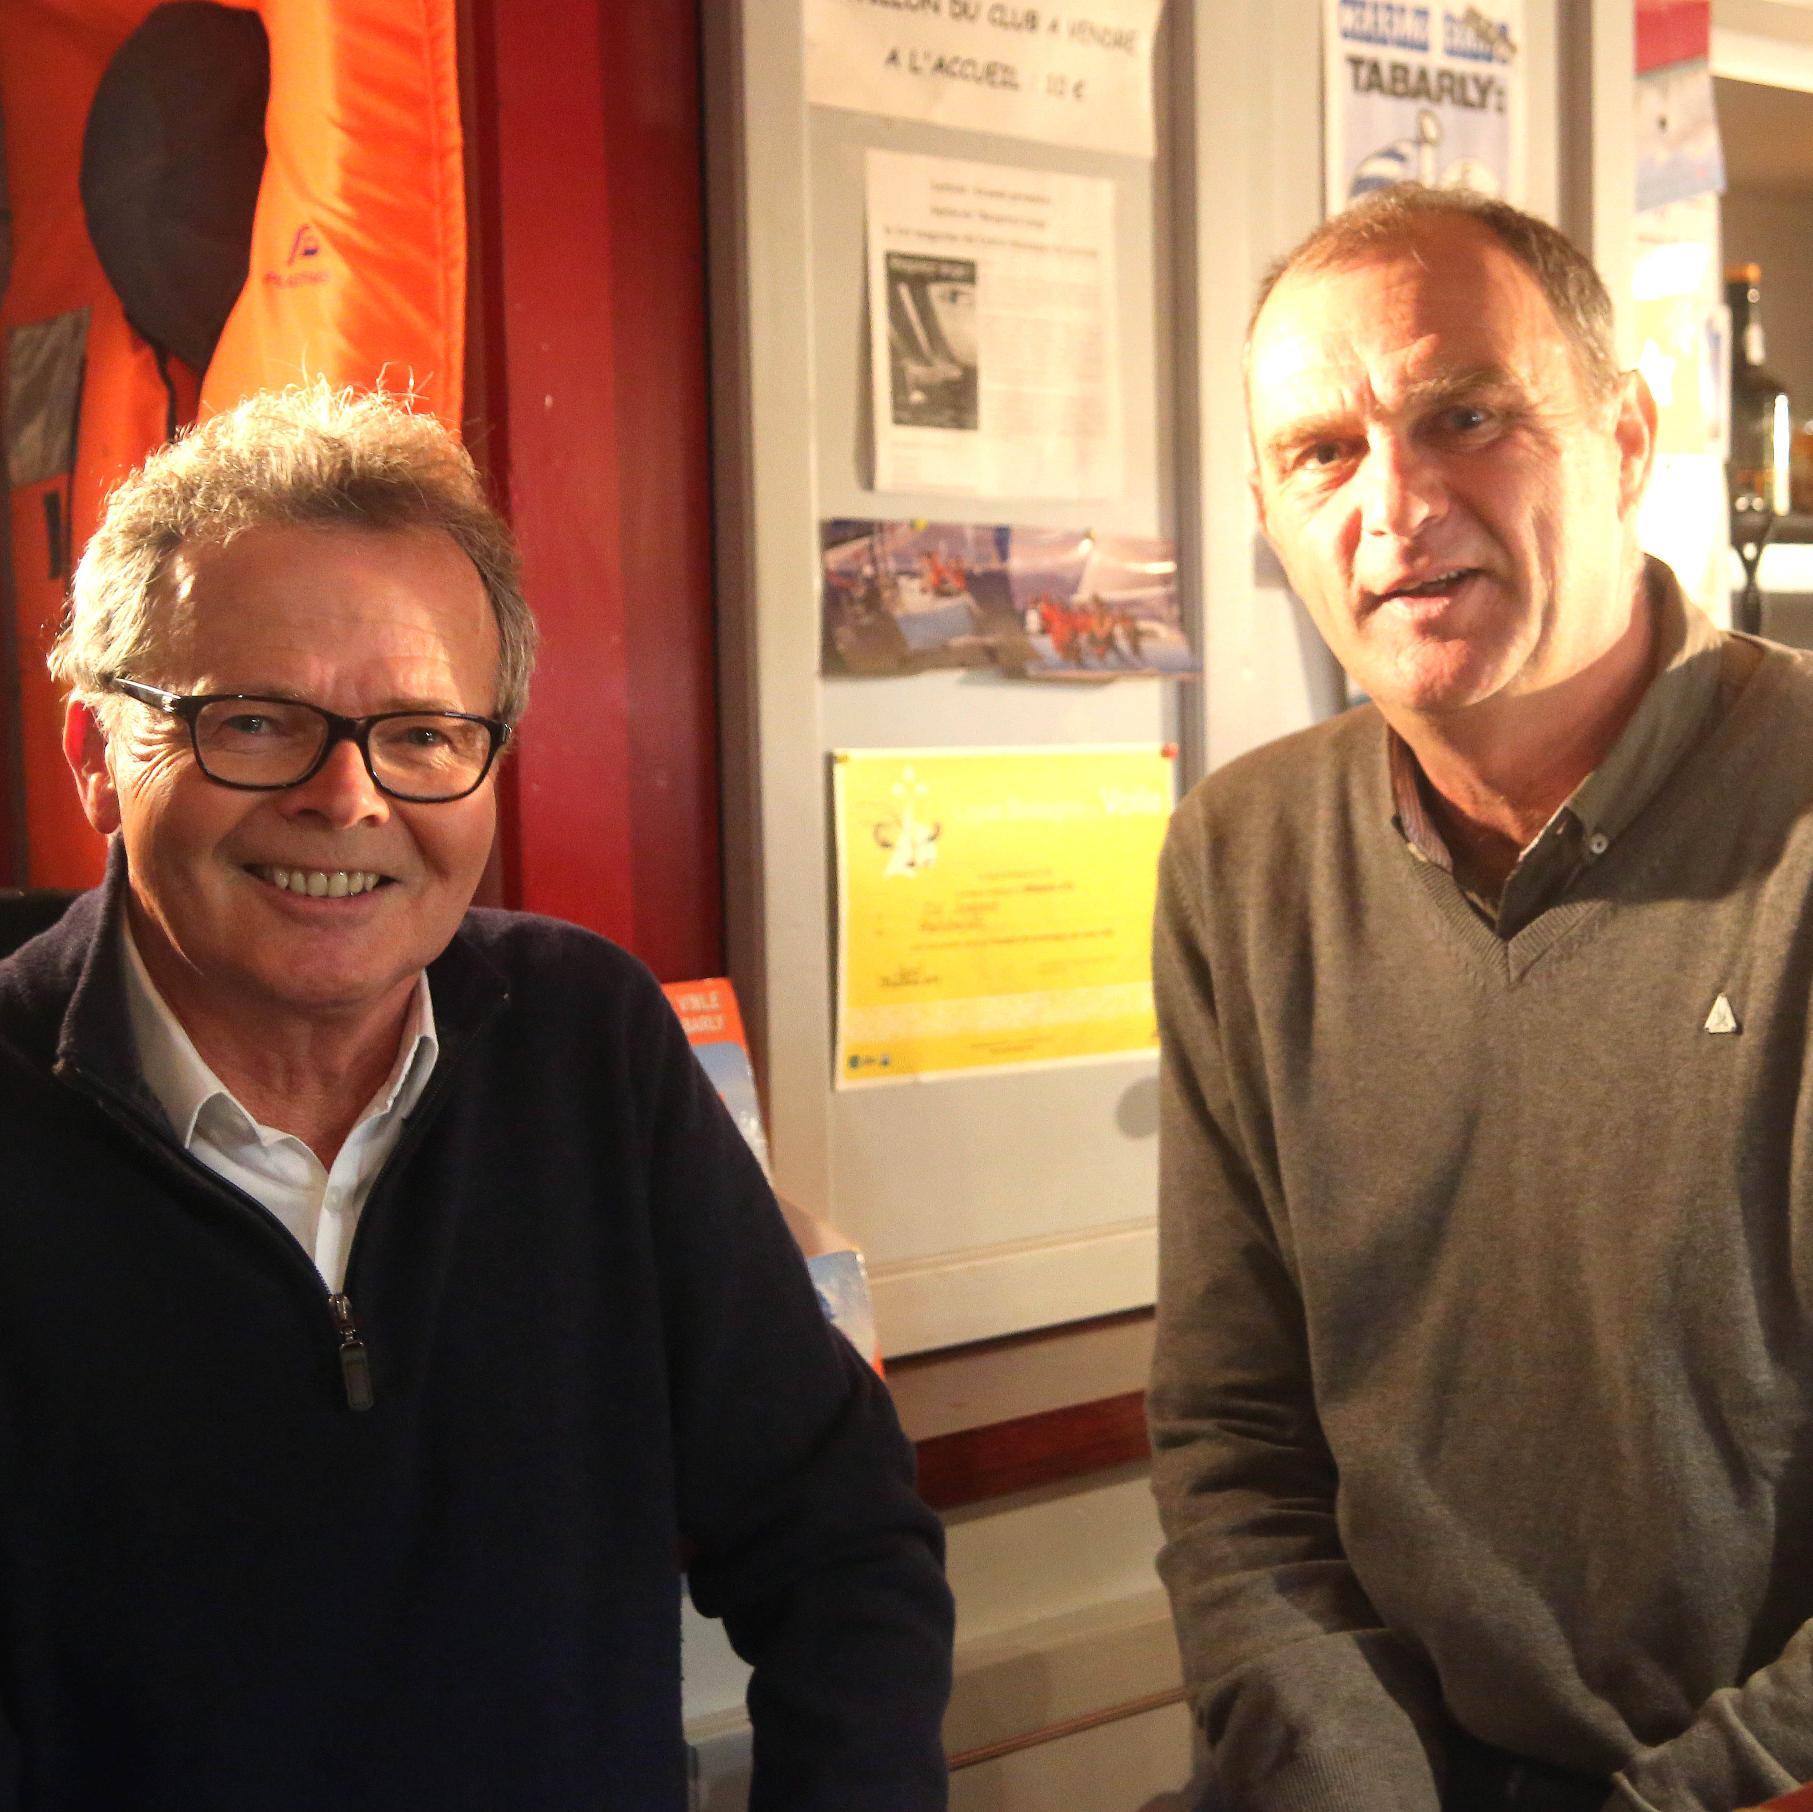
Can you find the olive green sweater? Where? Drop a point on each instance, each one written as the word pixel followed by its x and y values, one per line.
pixel 1484 1383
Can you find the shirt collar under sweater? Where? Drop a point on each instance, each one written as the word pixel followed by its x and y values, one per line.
pixel 320 1203
pixel 187 1089
pixel 63 1001
pixel 1665 724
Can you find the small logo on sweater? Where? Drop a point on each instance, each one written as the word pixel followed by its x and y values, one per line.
pixel 1721 1018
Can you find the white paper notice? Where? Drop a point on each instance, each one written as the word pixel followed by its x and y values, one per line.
pixel 1065 75
pixel 992 329
pixel 1430 94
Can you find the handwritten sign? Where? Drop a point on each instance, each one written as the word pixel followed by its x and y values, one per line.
pixel 1064 75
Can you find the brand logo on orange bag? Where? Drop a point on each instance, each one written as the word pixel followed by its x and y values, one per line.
pixel 305 248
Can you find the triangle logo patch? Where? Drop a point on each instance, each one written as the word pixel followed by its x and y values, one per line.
pixel 1721 1018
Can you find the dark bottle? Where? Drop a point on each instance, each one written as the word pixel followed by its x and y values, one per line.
pixel 1762 427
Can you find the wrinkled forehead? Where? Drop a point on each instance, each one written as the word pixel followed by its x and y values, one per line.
pixel 1446 299
pixel 330 600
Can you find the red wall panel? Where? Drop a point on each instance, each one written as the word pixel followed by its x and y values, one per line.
pixel 589 239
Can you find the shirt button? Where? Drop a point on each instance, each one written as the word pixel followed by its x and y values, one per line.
pixel 1598 843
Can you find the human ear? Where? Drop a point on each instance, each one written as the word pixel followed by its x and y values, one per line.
pixel 1254 485
pixel 1635 432
pixel 85 749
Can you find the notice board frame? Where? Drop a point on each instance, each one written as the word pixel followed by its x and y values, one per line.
pixel 957 1250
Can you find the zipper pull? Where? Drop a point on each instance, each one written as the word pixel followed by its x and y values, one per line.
pixel 355 1361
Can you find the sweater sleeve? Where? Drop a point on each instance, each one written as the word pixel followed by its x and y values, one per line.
pixel 1748 1744
pixel 1308 1702
pixel 10 1766
pixel 795 1484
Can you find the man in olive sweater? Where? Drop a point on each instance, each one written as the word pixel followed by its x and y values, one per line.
pixel 1483 1400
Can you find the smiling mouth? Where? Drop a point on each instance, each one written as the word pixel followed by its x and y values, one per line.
pixel 320 883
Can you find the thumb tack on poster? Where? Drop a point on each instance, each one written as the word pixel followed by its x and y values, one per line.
pixel 1060 74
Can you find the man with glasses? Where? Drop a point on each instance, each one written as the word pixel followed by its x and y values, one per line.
pixel 389 1311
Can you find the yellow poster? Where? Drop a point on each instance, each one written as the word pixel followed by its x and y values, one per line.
pixel 995 906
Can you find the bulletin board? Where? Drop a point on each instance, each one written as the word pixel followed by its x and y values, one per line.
pixel 989 1201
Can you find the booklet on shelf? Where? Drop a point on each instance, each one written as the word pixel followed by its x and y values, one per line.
pixel 714 1026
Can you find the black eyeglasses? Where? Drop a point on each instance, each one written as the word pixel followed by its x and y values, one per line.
pixel 262 745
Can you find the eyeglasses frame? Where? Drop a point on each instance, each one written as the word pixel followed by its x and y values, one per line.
pixel 188 707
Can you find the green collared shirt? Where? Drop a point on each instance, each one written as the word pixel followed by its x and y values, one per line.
pixel 1666 723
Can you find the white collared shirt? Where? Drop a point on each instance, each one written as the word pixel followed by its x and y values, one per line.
pixel 318 1204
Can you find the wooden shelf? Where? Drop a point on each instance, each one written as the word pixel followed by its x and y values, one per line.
pixel 1026 1410
pixel 976 1464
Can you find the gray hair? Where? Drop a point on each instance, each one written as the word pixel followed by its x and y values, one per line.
pixel 1388 218
pixel 308 456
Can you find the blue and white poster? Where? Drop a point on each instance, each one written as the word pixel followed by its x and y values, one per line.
pixel 1429 94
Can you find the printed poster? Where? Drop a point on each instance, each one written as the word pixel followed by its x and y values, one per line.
pixel 995 907
pixel 1429 94
pixel 1683 331
pixel 1680 319
pixel 1063 75
pixel 713 1023
pixel 1680 154
pixel 1038 603
pixel 993 334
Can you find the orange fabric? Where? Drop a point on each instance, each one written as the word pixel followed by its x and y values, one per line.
pixel 359 244
pixel 358 273
pixel 51 57
pixel 122 416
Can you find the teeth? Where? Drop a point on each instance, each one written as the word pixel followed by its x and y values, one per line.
pixel 1438 583
pixel 321 883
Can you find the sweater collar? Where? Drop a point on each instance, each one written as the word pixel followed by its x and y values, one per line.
pixel 1667 722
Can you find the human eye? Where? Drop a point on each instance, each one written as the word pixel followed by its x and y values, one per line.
pixel 1466 421
pixel 254 726
pixel 1313 454
pixel 414 740
pixel 427 741
pixel 232 724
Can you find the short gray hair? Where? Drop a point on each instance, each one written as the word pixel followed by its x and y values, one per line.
pixel 1388 218
pixel 308 456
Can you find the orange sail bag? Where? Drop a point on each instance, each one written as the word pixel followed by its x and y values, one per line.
pixel 164 263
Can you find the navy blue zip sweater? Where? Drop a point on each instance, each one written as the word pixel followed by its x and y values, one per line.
pixel 589 1345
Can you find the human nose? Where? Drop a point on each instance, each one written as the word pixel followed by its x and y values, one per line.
pixel 1402 487
pixel 341 791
